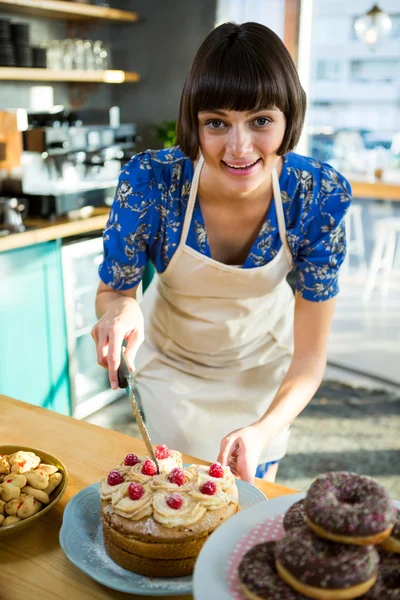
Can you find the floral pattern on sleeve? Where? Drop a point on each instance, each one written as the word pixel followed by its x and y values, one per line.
pixel 321 242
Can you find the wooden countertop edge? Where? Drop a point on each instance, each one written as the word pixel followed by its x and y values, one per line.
pixel 378 190
pixel 53 231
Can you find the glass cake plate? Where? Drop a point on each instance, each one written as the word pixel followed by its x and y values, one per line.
pixel 81 539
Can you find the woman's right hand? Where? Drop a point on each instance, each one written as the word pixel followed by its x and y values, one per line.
pixel 123 319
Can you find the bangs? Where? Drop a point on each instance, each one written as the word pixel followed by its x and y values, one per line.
pixel 238 81
pixel 243 68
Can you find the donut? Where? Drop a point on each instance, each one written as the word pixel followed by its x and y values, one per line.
pixel 258 576
pixel 294 516
pixel 349 509
pixel 392 543
pixel 325 570
pixel 387 586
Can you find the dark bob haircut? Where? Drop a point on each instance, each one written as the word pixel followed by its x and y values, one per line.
pixel 241 67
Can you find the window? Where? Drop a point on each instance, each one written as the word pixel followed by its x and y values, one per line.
pixel 328 70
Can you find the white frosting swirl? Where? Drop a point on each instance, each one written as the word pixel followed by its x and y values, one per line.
pixel 123 469
pixel 132 509
pixel 190 512
pixel 135 473
pixel 167 464
pixel 217 500
pixel 107 490
pixel 162 482
pixel 224 482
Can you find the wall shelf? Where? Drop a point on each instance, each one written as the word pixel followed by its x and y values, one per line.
pixel 25 74
pixel 70 11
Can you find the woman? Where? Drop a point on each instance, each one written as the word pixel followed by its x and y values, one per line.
pixel 229 357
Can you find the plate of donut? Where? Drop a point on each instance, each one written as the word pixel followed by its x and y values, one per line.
pixel 218 576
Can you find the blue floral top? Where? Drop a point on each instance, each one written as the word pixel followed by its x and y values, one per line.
pixel 147 216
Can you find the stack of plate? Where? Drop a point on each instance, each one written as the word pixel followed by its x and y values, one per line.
pixel 23 51
pixel 7 51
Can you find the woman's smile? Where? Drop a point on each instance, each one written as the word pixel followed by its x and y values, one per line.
pixel 243 169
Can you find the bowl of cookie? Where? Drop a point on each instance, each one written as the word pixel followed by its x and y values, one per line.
pixel 32 481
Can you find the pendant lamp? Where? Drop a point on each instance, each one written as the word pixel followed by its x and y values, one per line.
pixel 373 26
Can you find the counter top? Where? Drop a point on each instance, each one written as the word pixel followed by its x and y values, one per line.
pixel 364 187
pixel 34 560
pixel 52 230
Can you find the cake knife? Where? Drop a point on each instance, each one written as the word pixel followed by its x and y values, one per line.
pixel 125 381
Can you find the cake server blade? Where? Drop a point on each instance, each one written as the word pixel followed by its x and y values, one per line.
pixel 125 381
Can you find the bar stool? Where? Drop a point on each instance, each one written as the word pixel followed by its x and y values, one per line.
pixel 355 237
pixel 383 255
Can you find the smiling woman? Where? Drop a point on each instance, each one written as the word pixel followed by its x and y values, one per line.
pixel 230 356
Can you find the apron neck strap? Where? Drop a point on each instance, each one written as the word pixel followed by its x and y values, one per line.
pixel 280 216
pixel 192 199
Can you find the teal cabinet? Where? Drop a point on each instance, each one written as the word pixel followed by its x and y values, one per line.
pixel 33 344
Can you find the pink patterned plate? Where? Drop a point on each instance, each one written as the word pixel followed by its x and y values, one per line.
pixel 215 575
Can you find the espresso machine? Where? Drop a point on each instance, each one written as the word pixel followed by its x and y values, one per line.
pixel 70 160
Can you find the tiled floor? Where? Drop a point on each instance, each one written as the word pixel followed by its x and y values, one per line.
pixel 366 336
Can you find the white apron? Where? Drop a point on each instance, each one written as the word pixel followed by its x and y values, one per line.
pixel 218 342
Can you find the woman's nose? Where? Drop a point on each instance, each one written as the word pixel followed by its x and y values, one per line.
pixel 239 142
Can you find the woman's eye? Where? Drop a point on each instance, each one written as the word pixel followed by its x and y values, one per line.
pixel 262 121
pixel 215 124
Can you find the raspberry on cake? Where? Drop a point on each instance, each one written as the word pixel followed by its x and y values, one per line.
pixel 155 525
pixel 114 478
pixel 208 488
pixel 131 460
pixel 177 476
pixel 135 491
pixel 149 468
pixel 216 470
pixel 174 501
pixel 162 452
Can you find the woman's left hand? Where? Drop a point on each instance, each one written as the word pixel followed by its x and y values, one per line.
pixel 240 450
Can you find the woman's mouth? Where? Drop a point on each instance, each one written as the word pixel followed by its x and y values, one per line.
pixel 241 169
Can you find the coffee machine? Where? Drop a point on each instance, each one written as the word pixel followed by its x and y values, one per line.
pixel 70 160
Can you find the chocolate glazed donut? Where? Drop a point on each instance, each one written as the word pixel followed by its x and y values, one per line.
pixel 295 516
pixel 258 576
pixel 325 570
pixel 349 509
pixel 387 586
pixel 392 543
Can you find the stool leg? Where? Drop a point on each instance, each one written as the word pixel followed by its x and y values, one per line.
pixel 358 227
pixel 348 228
pixel 388 262
pixel 375 265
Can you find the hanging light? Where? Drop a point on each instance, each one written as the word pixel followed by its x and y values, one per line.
pixel 373 26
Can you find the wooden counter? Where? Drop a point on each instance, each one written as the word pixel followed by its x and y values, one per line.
pixel 379 190
pixel 32 563
pixel 53 230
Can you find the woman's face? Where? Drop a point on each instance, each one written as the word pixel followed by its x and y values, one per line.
pixel 240 147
